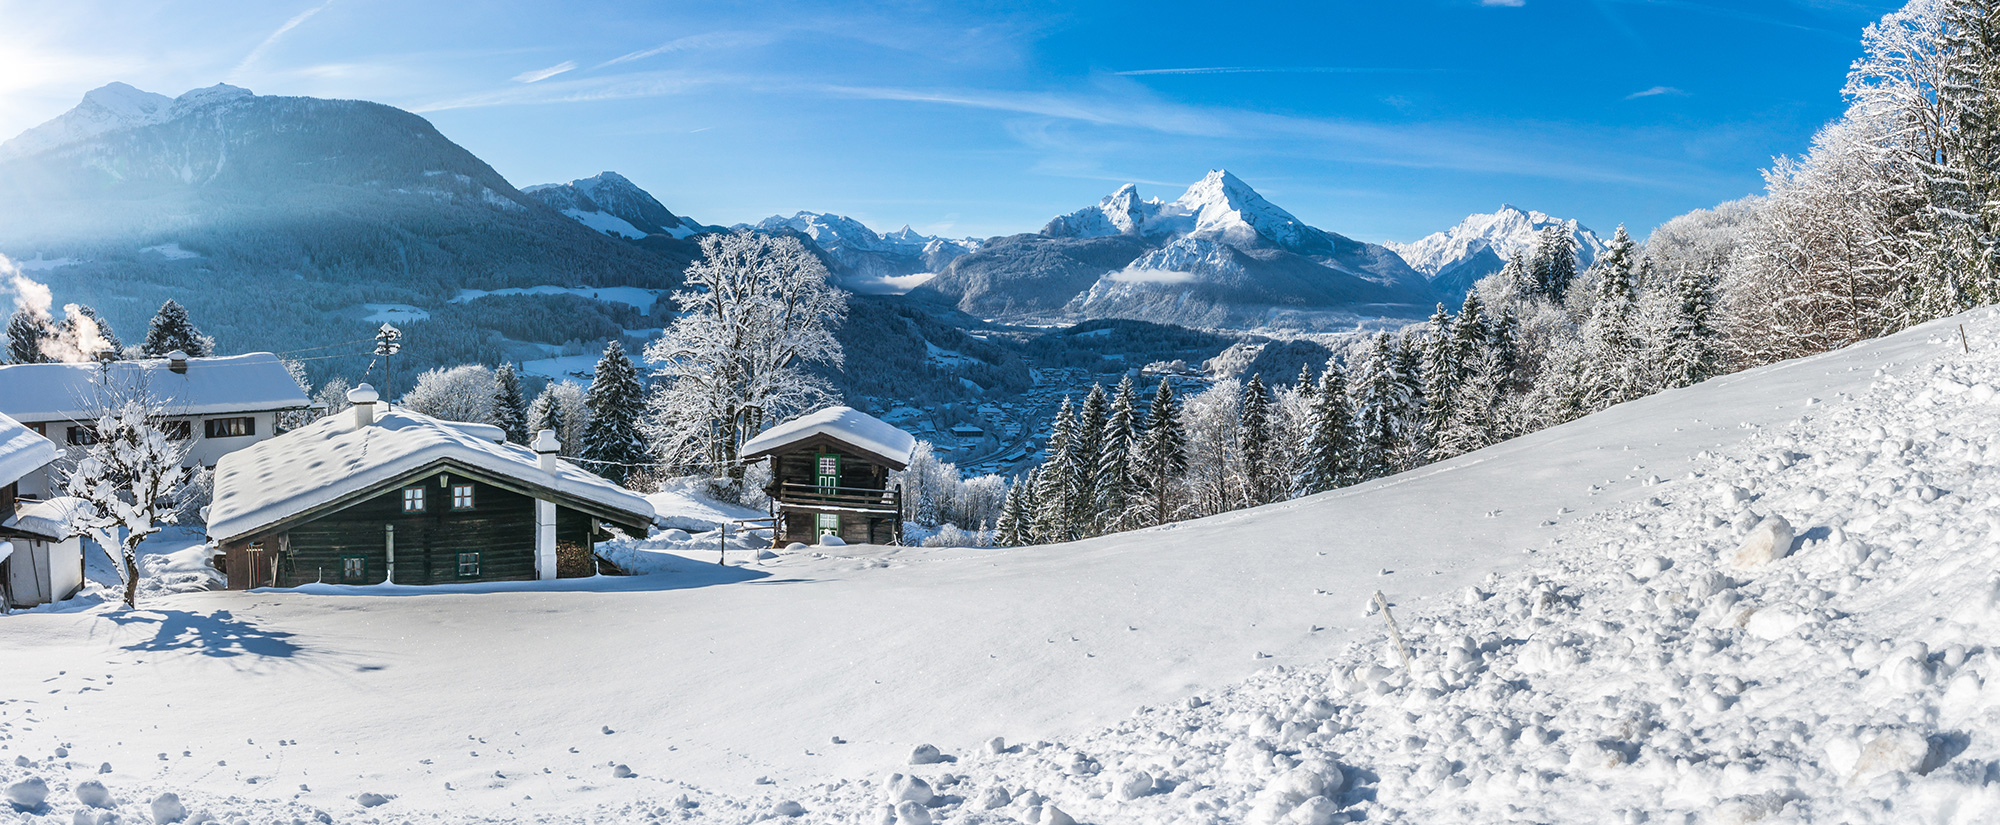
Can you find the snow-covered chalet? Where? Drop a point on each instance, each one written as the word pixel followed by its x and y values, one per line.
pixel 404 498
pixel 830 475
pixel 218 404
pixel 41 558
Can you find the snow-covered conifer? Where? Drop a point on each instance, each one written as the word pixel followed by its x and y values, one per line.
pixel 510 408
pixel 1330 449
pixel 1261 482
pixel 612 443
pixel 1114 482
pixel 171 329
pixel 26 330
pixel 1086 455
pixel 1162 455
pixel 1056 491
pixel 1379 399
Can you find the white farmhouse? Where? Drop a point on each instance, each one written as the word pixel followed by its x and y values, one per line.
pixel 41 558
pixel 220 404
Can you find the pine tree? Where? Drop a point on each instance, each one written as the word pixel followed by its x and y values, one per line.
pixel 1007 532
pixel 1378 398
pixel 1690 355
pixel 1086 454
pixel 546 412
pixel 1116 488
pixel 172 330
pixel 510 411
pixel 1553 265
pixel 1443 371
pixel 1329 459
pixel 612 443
pixel 1610 346
pixel 1162 454
pixel 1056 493
pixel 25 333
pixel 1503 338
pixel 1474 419
pixel 1253 442
pixel 1409 411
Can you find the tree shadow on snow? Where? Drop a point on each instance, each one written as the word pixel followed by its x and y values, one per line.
pixel 685 578
pixel 218 634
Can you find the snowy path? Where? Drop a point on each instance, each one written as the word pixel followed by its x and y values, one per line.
pixel 716 683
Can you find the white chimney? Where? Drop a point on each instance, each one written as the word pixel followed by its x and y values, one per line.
pixel 546 448
pixel 363 397
pixel 178 362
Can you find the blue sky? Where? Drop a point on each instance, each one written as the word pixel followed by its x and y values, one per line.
pixel 1383 121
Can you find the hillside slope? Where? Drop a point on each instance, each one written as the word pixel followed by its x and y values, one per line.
pixel 1608 660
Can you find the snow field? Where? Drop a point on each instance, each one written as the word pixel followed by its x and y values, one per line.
pixel 1625 670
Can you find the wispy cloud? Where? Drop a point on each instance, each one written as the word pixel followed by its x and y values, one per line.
pixel 1277 70
pixel 539 75
pixel 695 42
pixel 580 90
pixel 1512 4
pixel 257 54
pixel 1656 91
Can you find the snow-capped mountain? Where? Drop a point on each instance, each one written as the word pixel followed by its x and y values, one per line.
pixel 610 204
pixel 1480 245
pixel 1220 255
pixel 868 261
pixel 288 215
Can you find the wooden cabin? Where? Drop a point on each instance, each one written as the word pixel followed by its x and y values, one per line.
pixel 41 556
pixel 405 498
pixel 830 476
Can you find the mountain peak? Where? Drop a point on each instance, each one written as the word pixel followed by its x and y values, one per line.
pixel 1223 206
pixel 125 100
pixel 108 108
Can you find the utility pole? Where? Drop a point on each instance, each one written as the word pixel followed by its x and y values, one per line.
pixel 388 342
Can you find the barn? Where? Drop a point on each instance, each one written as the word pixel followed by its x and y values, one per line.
pixel 830 476
pixel 404 498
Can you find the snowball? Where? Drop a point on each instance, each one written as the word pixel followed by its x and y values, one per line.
pixel 28 794
pixel 794 547
pixel 901 788
pixel 994 797
pixel 926 755
pixel 1052 815
pixel 1315 811
pixel 621 772
pixel 1132 785
pixel 1893 751
pixel 911 813
pixel 372 800
pixel 788 808
pixel 1774 623
pixel 831 540
pixel 1769 541
pixel 93 794
pixel 168 808
pixel 996 745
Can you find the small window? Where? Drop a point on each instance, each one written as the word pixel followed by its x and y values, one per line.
pixel 461 496
pixel 353 569
pixel 177 430
pixel 829 465
pixel 40 428
pixel 229 427
pixel 82 435
pixel 413 499
pixel 468 565
pixel 828 524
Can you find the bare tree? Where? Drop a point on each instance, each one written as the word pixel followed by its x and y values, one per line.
pixel 758 310
pixel 130 477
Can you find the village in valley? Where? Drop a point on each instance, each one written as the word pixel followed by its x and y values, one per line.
pixel 344 480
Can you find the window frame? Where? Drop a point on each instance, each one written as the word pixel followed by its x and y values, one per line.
pixel 417 495
pixel 474 558
pixel 179 429
pixel 82 435
pixel 820 526
pixel 224 427
pixel 456 490
pixel 359 577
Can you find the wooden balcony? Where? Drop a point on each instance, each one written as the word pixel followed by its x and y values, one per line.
pixel 850 499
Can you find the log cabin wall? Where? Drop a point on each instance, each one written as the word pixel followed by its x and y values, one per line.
pixel 500 527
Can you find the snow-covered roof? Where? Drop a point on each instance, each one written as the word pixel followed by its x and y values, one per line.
pixel 252 382
pixel 22 451
pixel 845 424
pixel 49 519
pixel 273 480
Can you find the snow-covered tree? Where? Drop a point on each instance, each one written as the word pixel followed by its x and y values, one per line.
pixel 758 311
pixel 1057 492
pixel 1379 399
pixel 461 393
pixel 130 479
pixel 26 330
pixel 1443 371
pixel 1687 352
pixel 1261 481
pixel 1086 455
pixel 1214 480
pixel 612 443
pixel 563 407
pixel 171 329
pixel 1116 485
pixel 82 335
pixel 1017 518
pixel 1162 456
pixel 331 397
pixel 1553 265
pixel 1330 450
pixel 510 408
